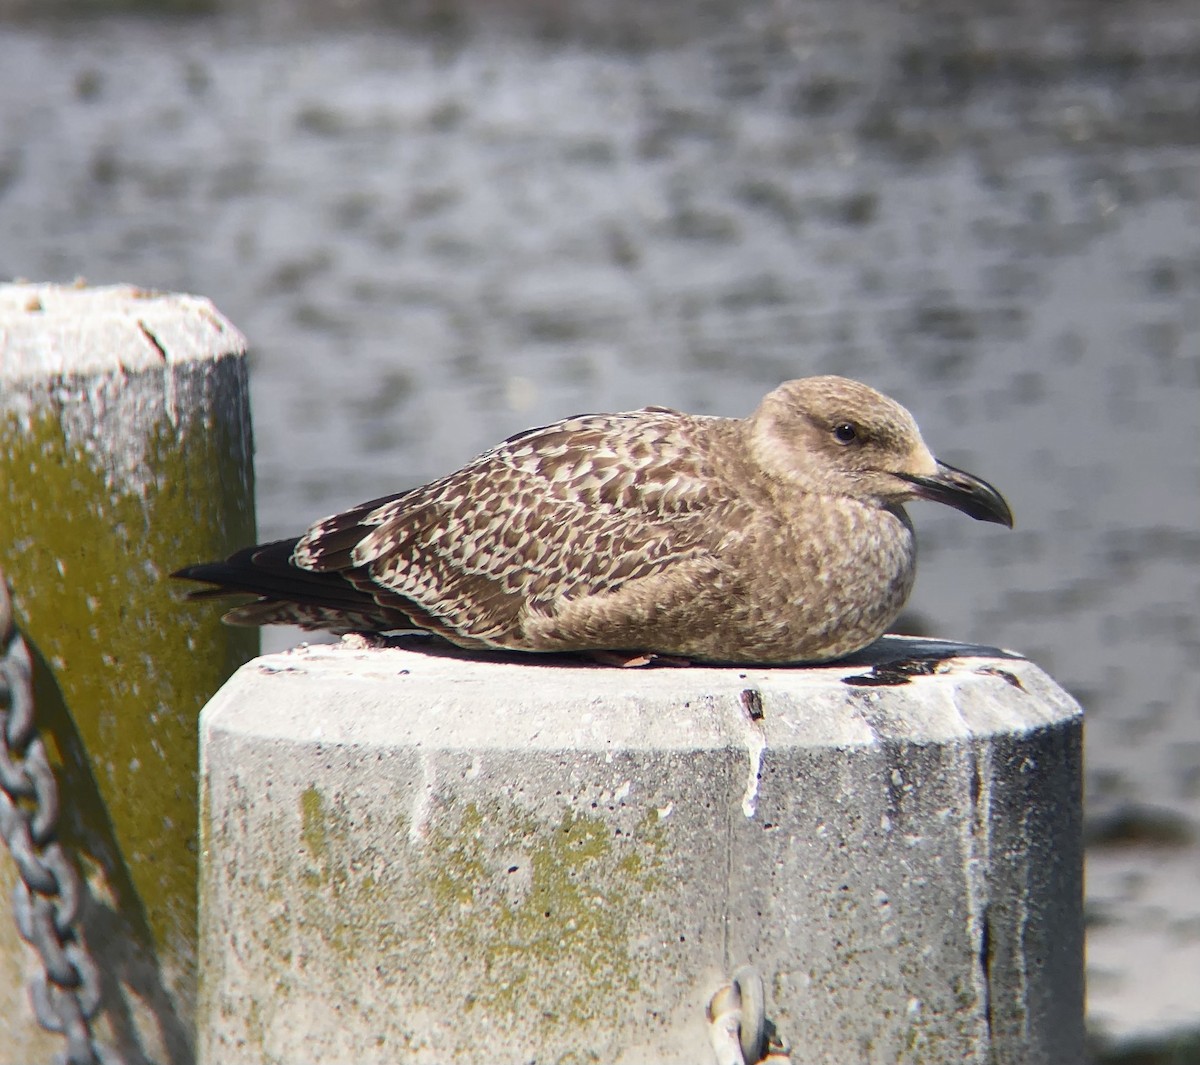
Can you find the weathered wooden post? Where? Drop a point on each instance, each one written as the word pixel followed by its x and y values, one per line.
pixel 411 857
pixel 125 450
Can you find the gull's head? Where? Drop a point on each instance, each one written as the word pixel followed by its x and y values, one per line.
pixel 834 436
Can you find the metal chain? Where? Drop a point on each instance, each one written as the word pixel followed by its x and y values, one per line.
pixel 47 893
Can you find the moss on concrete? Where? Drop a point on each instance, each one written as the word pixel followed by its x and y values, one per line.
pixel 545 914
pixel 312 823
pixel 124 668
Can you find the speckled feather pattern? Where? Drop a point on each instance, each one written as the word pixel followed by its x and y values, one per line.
pixel 716 539
pixel 550 518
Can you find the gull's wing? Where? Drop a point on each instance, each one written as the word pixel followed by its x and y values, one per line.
pixel 582 508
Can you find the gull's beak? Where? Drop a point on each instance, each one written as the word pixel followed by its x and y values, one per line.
pixel 963 491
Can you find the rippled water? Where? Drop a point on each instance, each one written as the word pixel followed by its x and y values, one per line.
pixel 434 239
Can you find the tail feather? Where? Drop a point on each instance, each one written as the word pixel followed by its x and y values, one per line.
pixel 287 594
pixel 267 570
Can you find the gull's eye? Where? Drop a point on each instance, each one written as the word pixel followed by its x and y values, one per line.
pixel 845 433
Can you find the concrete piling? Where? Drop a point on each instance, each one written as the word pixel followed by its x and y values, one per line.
pixel 426 857
pixel 125 452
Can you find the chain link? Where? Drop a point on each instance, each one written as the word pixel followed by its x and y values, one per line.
pixel 46 896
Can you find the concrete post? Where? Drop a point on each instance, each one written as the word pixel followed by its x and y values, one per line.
pixel 124 452
pixel 418 857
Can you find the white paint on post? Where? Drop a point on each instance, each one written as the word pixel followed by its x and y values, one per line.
pixel 756 743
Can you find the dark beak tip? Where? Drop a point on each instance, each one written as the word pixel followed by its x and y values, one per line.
pixel 1004 518
pixel 966 492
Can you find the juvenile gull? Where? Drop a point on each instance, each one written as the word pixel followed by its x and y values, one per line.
pixel 777 538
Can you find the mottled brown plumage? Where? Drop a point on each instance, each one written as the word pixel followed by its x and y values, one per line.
pixel 776 538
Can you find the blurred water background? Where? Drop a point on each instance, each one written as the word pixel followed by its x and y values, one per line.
pixel 442 222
